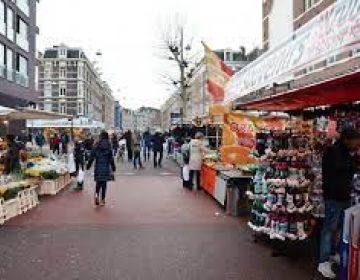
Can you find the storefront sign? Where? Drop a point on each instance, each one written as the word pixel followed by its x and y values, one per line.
pixel 239 136
pixel 334 30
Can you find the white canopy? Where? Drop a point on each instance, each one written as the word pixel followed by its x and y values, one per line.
pixel 29 114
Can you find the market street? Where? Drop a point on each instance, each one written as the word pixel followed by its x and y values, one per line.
pixel 151 228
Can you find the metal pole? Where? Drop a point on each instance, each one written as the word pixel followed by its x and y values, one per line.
pixel 217 137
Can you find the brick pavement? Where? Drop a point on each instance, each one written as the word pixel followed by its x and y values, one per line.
pixel 150 229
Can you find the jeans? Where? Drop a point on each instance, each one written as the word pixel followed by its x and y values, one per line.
pixel 101 186
pixel 196 173
pixel 137 159
pixel 157 162
pixel 333 223
pixel 146 151
pixel 130 154
pixel 56 149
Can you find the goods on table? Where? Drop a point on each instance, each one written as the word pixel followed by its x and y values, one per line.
pixel 280 193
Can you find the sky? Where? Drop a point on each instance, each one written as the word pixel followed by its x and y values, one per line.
pixel 128 34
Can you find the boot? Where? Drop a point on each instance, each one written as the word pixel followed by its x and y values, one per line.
pixel 301 231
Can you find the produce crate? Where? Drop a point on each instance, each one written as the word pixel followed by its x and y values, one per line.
pixel 28 199
pixel 48 187
pixel 12 208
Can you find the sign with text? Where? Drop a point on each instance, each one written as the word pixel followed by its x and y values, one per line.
pixel 334 30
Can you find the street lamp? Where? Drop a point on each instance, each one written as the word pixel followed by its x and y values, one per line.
pixel 6 123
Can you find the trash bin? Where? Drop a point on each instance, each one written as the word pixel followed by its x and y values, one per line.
pixel 236 186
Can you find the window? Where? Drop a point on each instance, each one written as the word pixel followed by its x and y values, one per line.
pixel 62 53
pixel 47 89
pixel 24 6
pixel 62 108
pixel 62 72
pixel 2 60
pixel 228 56
pixel 47 106
pixel 331 60
pixel 80 89
pixel 308 4
pixel 356 52
pixel 22 34
pixel 2 18
pixel 21 70
pixel 10 64
pixel 62 88
pixel 80 108
pixel 10 24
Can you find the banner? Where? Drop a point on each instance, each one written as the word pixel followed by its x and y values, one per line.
pixel 218 75
pixel 334 30
pixel 239 136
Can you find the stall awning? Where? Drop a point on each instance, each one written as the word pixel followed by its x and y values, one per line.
pixel 344 89
pixel 28 114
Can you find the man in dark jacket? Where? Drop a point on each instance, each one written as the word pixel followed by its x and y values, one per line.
pixel 158 141
pixel 104 163
pixel 338 166
pixel 128 137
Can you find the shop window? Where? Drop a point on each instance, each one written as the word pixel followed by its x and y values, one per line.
pixel 356 52
pixel 331 60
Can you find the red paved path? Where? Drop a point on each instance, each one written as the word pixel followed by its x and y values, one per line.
pixel 150 229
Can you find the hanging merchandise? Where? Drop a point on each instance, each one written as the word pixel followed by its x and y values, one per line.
pixel 281 202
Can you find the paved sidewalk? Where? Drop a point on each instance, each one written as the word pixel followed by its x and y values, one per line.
pixel 151 229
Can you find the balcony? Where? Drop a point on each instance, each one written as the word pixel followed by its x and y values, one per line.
pixel 22 79
pixel 24 6
pixel 22 41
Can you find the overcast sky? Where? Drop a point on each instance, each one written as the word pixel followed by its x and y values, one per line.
pixel 128 33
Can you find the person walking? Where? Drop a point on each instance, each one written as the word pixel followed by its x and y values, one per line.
pixel 40 140
pixel 147 144
pixel 115 144
pixel 64 142
pixel 55 144
pixel 136 142
pixel 158 148
pixel 79 154
pixel 339 165
pixel 104 164
pixel 128 137
pixel 196 153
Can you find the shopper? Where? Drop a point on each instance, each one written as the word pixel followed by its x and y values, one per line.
pixel 89 144
pixel 79 154
pixel 104 164
pixel 158 148
pixel 64 143
pixel 40 140
pixel 128 137
pixel 12 155
pixel 147 144
pixel 115 144
pixel 55 144
pixel 136 142
pixel 338 167
pixel 197 150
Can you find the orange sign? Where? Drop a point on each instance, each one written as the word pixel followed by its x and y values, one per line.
pixel 239 136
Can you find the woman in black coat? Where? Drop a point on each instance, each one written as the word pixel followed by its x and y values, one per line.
pixel 104 160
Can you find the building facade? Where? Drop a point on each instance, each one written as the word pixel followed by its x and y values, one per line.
pixel 68 83
pixel 128 119
pixel 118 116
pixel 147 117
pixel 18 33
pixel 170 111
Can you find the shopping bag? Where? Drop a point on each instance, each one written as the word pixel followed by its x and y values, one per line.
pixel 186 172
pixel 71 164
pixel 80 176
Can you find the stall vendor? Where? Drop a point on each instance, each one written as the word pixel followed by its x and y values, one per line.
pixel 338 166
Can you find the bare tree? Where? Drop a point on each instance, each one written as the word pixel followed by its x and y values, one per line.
pixel 176 48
